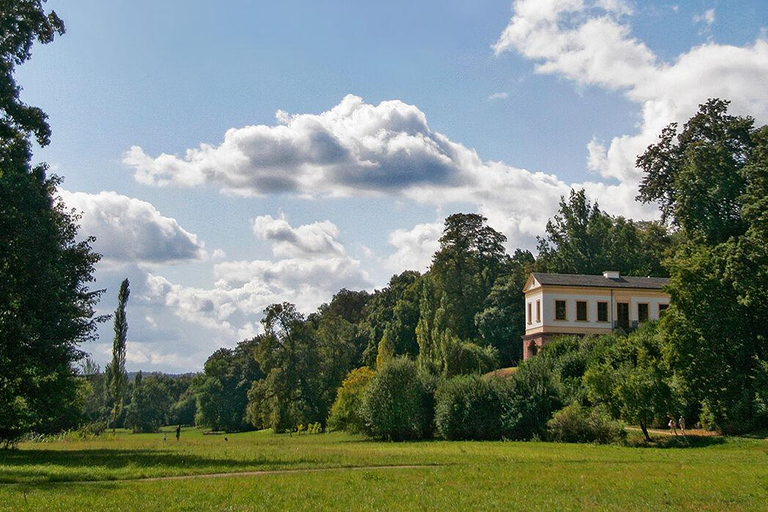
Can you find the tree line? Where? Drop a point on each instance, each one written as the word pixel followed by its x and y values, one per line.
pixel 461 318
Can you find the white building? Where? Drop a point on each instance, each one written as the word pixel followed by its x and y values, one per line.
pixel 567 304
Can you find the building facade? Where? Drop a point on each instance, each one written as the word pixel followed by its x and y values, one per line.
pixel 575 304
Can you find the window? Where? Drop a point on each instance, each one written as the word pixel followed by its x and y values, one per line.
pixel 662 309
pixel 581 310
pixel 560 310
pixel 602 311
pixel 642 313
pixel 538 311
pixel 530 317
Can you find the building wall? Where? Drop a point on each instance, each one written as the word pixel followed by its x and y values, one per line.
pixel 540 332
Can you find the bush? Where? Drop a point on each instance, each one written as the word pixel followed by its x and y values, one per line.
pixel 577 424
pixel 468 407
pixel 529 403
pixel 345 411
pixel 396 403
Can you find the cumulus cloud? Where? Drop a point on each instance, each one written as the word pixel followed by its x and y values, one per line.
pixel 130 230
pixel 590 43
pixel 351 149
pixel 414 247
pixel 318 238
pixel 314 266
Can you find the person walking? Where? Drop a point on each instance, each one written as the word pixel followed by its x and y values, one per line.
pixel 681 422
pixel 672 426
pixel 178 432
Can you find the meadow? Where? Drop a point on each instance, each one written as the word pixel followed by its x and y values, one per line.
pixel 341 472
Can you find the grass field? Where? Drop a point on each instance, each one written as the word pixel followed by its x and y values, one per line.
pixel 341 472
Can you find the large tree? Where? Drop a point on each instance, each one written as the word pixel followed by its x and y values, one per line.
pixel 583 239
pixel 46 307
pixel 710 181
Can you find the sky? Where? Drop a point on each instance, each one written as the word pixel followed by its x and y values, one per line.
pixel 229 155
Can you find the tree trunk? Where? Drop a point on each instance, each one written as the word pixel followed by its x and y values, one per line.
pixel 645 432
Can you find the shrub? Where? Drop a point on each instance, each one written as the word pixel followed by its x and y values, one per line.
pixel 529 403
pixel 396 403
pixel 345 411
pixel 577 424
pixel 468 407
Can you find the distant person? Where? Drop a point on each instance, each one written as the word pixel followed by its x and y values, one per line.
pixel 681 422
pixel 178 432
pixel 672 426
pixel 165 436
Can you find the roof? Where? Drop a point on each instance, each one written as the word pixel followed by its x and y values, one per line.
pixel 646 283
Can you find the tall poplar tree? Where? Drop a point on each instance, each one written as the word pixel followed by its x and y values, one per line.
pixel 118 378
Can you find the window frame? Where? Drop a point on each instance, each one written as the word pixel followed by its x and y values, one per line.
pixel 585 304
pixel 647 312
pixel 607 316
pixel 557 310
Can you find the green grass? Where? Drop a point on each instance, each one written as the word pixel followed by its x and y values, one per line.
pixel 713 474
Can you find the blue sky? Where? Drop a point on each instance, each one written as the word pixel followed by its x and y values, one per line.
pixel 230 157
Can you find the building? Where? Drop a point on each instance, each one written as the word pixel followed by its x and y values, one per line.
pixel 567 304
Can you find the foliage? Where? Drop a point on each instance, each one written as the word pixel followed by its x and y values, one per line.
pixel 149 406
pixel 501 323
pixel 470 259
pixel 396 404
pixel 582 239
pixel 291 393
pixel 469 407
pixel 116 375
pixel 394 311
pixel 634 380
pixel 345 412
pixel 711 181
pixel 222 388
pixel 530 403
pixel 578 424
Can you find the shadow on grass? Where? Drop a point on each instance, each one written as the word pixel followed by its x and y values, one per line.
pixel 680 442
pixel 29 466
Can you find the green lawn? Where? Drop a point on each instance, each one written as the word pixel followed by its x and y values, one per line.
pixel 314 472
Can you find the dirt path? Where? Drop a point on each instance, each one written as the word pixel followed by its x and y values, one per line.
pixel 253 473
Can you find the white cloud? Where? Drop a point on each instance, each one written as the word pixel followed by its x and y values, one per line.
pixel 318 238
pixel 129 230
pixel 351 149
pixel 707 18
pixel 590 43
pixel 314 267
pixel 414 247
pixel 498 96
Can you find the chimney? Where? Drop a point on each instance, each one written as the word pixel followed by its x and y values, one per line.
pixel 611 274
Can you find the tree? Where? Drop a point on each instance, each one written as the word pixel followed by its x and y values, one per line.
pixel 149 406
pixel 583 239
pixel 501 323
pixel 396 405
pixel 346 410
pixel 222 388
pixel 117 377
pixel 46 308
pixel 710 181
pixel 633 380
pixel 396 308
pixel 697 180
pixel 470 259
